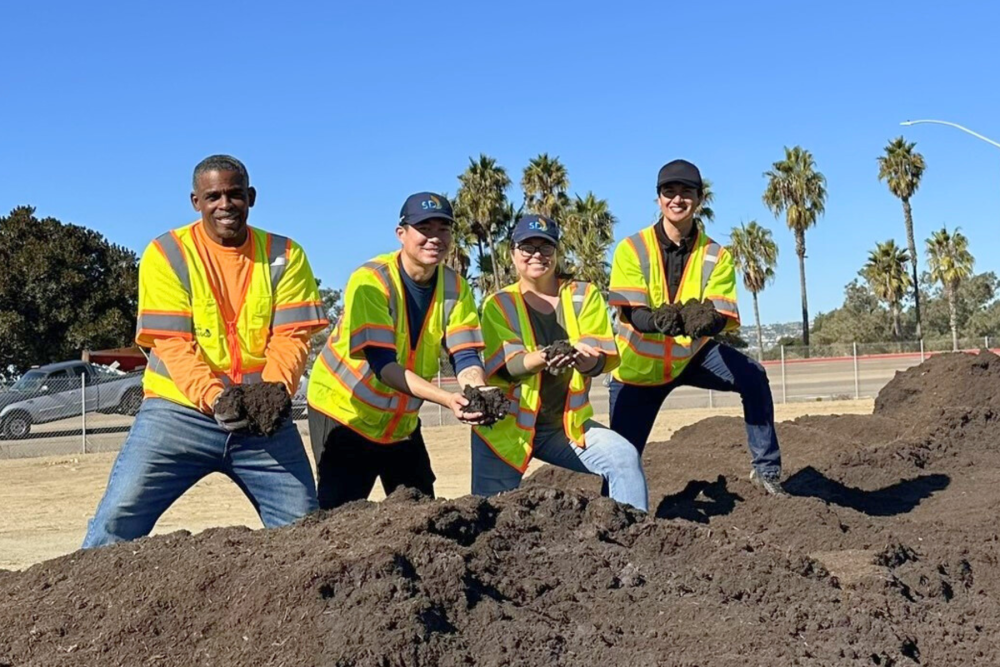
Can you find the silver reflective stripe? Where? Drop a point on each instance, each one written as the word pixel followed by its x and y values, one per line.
pixel 309 312
pixel 385 274
pixel 175 257
pixel 277 258
pixel 451 289
pixel 464 338
pixel 644 347
pixel 643 254
pixel 623 295
pixel 248 378
pixel 725 306
pixel 678 351
pixel 157 366
pixel 361 390
pixel 577 401
pixel 500 357
pixel 607 346
pixel 372 335
pixel 506 302
pixel 579 294
pixel 525 418
pixel 712 251
pixel 161 322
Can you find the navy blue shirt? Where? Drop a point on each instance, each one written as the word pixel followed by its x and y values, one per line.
pixel 419 297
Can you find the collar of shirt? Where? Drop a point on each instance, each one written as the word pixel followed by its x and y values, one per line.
pixel 668 245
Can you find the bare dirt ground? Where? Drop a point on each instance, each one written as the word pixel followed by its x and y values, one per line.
pixel 47 501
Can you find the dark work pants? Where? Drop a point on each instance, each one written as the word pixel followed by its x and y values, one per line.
pixel 347 463
pixel 717 367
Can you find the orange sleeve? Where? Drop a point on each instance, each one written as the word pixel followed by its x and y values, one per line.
pixel 189 371
pixel 285 357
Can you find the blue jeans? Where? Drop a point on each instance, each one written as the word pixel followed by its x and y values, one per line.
pixel 607 454
pixel 171 447
pixel 719 368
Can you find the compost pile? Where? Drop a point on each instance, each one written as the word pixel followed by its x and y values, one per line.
pixel 885 554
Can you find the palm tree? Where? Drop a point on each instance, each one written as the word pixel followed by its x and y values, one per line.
pixel 482 197
pixel 705 214
pixel 545 182
pixel 462 240
pixel 886 272
pixel 756 255
pixel 588 232
pixel 950 263
pixel 902 168
pixel 797 189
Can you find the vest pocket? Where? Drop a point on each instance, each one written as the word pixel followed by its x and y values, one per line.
pixel 210 331
pixel 258 313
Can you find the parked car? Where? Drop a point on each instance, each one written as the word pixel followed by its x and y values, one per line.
pixel 56 391
pixel 299 405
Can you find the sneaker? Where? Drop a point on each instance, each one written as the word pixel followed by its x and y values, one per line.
pixel 771 484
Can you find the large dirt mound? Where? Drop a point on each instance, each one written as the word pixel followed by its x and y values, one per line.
pixel 886 554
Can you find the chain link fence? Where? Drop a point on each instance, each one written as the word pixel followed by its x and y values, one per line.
pixel 65 411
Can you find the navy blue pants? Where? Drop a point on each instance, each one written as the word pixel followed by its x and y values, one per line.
pixel 719 368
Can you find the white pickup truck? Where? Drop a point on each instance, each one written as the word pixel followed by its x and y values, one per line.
pixel 56 391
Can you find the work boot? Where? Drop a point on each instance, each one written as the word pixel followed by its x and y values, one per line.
pixel 771 484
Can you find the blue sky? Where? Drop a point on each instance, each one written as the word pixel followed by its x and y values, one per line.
pixel 340 110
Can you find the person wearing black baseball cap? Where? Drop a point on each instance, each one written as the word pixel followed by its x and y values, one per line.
pixel 551 416
pixel 675 289
pixel 368 384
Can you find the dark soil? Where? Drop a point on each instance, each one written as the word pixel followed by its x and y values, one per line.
pixel 492 403
pixel 885 554
pixel 267 405
pixel 701 318
pixel 559 348
pixel 667 319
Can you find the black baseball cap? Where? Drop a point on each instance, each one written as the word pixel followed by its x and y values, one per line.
pixel 425 206
pixel 679 171
pixel 535 226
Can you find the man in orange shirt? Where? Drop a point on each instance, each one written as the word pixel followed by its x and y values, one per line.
pixel 222 306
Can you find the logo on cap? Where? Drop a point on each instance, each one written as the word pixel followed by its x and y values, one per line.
pixel 538 225
pixel 432 204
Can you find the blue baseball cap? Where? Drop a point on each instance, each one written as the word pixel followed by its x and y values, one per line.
pixel 425 206
pixel 535 226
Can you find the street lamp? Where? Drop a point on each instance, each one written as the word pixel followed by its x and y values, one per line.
pixel 955 125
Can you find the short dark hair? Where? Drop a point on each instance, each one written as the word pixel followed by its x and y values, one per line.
pixel 220 163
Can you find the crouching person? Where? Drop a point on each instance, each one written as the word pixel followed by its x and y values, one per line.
pixel 222 307
pixel 526 327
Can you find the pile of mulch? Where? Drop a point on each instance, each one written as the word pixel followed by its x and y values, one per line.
pixel 885 554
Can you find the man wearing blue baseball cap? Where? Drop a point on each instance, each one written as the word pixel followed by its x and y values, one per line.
pixel 368 384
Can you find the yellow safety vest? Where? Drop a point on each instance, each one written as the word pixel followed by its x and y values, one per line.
pixel 508 333
pixel 177 299
pixel 344 387
pixel 638 279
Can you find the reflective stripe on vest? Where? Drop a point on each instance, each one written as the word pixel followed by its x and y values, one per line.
pixel 157 365
pixel 174 253
pixel 277 258
pixel 360 389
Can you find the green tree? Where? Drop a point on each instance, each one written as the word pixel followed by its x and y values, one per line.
pixel 950 264
pixel 462 241
pixel 705 214
pixel 63 289
pixel 886 273
pixel 545 182
pixel 795 188
pixel 756 255
pixel 861 318
pixel 482 197
pixel 588 232
pixel 902 168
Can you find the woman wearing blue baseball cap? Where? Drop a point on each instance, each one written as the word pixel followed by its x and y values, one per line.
pixel 551 416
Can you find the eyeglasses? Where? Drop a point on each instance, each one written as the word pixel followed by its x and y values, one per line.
pixel 685 193
pixel 529 249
